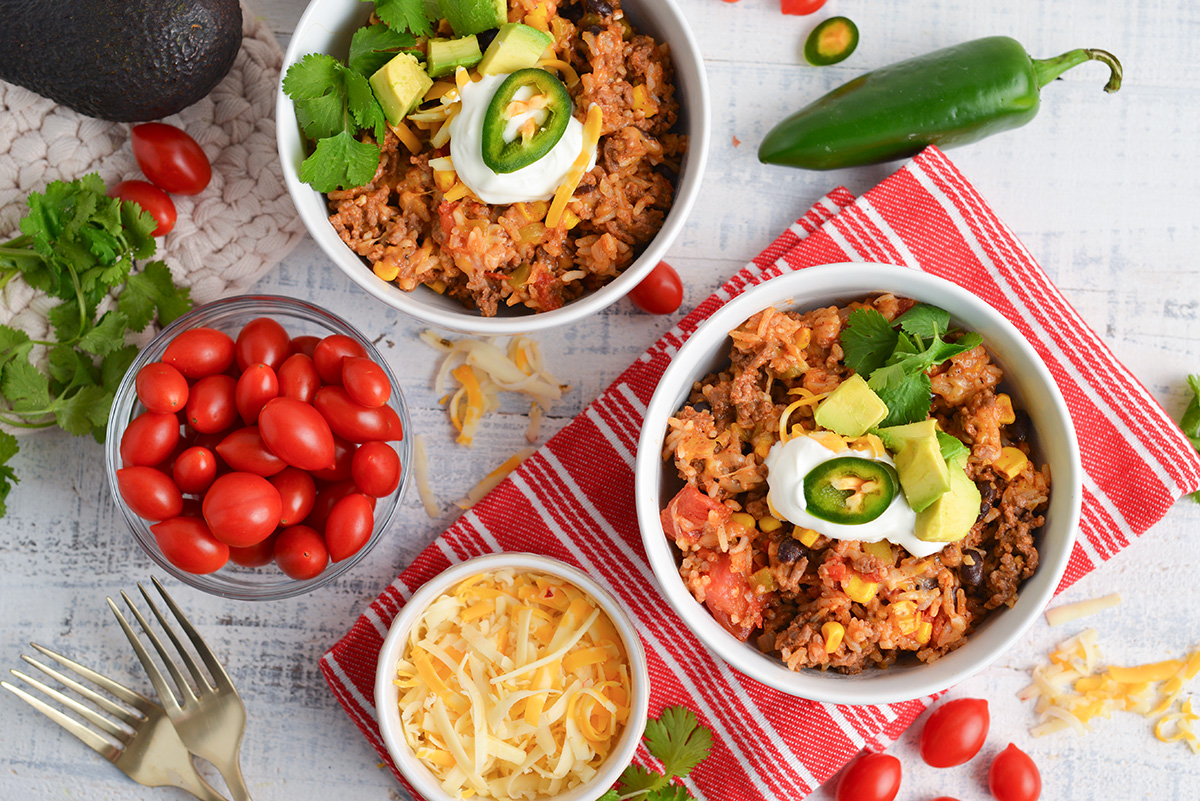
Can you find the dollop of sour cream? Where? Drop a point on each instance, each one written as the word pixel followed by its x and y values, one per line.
pixel 787 465
pixel 537 181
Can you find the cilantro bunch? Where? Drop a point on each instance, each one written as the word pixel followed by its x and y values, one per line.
pixel 896 362
pixel 78 245
pixel 334 101
pixel 680 743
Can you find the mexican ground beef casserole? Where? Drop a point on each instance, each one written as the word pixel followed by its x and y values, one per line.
pixel 485 255
pixel 799 595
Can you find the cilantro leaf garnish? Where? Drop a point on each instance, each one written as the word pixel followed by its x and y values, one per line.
pixel 924 321
pixel 375 45
pixel 78 245
pixel 339 161
pixel 404 15
pixel 680 743
pixel 1190 422
pixel 868 340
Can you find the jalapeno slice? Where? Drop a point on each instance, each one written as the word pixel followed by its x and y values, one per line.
pixel 849 490
pixel 538 134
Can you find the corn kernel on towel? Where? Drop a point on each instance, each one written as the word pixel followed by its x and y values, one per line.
pixel 574 498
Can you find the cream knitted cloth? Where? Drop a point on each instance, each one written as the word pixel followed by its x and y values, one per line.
pixel 226 237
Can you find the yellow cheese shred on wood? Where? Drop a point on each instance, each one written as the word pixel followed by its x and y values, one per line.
pixel 500 707
pixel 591 136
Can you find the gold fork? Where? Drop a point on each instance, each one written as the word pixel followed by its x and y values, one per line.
pixel 211 719
pixel 146 748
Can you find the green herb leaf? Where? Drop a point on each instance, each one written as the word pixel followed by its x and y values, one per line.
pixel 404 15
pixel 8 477
pixel 338 162
pixel 14 344
pixel 107 336
pixel 678 740
pixel 867 340
pixel 924 321
pixel 1190 422
pixel 317 85
pixel 375 45
pixel 907 400
pixel 672 792
pixel 85 412
pixel 24 387
pixel 152 293
pixel 610 795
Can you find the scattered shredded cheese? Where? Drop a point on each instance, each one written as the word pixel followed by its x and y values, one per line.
pixel 591 136
pixel 421 473
pixel 493 479
pixel 513 686
pixel 1065 613
pixel 1072 690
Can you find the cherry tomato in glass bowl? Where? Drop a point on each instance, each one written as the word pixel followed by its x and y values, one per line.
pixel 200 352
pixel 1014 776
pixel 189 545
pixel 161 388
pixel 660 292
pixel 297 433
pixel 365 382
pixel 153 201
pixel 375 468
pixel 349 526
pixel 328 354
pixel 242 509
pixel 150 493
pixel 262 341
pixel 800 7
pixel 954 732
pixel 194 470
pixel 170 158
pixel 300 552
pixel 150 439
pixel 873 777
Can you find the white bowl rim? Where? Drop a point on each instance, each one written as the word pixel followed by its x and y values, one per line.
pixel 469 321
pixel 850 280
pixel 393 645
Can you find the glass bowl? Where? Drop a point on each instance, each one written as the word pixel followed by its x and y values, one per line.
pixel 229 315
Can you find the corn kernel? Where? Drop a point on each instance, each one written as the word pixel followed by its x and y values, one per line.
pixel 880 550
pixel 1010 462
pixel 859 589
pixel 642 101
pixel 744 520
pixel 833 633
pixel 456 192
pixel 806 536
pixel 570 219
pixel 768 524
pixel 445 179
pixel 386 270
pixel 537 19
pixel 438 286
pixel 1007 415
pixel 924 632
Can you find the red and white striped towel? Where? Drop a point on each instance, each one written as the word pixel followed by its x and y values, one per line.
pixel 573 499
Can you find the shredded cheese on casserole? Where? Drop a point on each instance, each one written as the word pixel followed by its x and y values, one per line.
pixel 513 686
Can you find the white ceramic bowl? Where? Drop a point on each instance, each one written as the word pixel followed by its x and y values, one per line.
pixel 326 27
pixel 387 697
pixel 1026 379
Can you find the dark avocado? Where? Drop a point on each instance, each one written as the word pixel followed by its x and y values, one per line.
pixel 119 60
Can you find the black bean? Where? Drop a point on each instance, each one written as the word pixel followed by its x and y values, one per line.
pixel 701 406
pixel 485 37
pixel 572 12
pixel 790 551
pixel 971 569
pixel 1018 430
pixel 601 7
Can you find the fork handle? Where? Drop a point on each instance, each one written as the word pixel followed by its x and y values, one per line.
pixel 199 788
pixel 231 772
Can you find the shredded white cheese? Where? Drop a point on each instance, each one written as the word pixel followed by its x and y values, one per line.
pixel 421 473
pixel 1065 613
pixel 513 686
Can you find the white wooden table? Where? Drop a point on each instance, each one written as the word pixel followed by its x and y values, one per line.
pixel 1105 192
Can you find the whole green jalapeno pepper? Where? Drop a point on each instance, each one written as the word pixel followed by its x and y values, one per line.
pixel 947 98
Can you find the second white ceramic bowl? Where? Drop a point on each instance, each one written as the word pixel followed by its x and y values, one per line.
pixel 1026 379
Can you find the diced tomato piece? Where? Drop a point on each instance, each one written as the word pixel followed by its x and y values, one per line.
pixel 731 600
pixel 691 514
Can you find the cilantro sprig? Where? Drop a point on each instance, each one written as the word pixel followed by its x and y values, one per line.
pixel 335 103
pixel 78 245
pixel 680 743
pixel 1190 422
pixel 895 357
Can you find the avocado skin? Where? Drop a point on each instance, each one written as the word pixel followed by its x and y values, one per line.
pixel 119 60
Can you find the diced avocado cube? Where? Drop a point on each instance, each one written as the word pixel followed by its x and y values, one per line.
pixel 399 86
pixel 896 437
pixel 851 409
pixel 472 16
pixel 444 56
pixel 516 47
pixel 923 472
pixel 951 516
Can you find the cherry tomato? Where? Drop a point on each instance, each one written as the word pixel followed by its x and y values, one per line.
pixel 329 352
pixel 327 497
pixel 244 451
pixel 212 404
pixel 300 552
pixel 194 469
pixel 161 388
pixel 660 292
pixel 297 433
pixel 149 439
pixel 365 381
pixel 200 352
pixel 874 777
pixel 343 453
pixel 189 545
pixel 1014 777
pixel 255 555
pixel 242 509
pixel 149 493
pixel 353 421
pixel 298 378
pixel 349 526
pixel 800 7
pixel 262 340
pixel 171 159
pixel 151 199
pixel 375 469
pixel 305 344
pixel 297 492
pixel 255 387
pixel 955 732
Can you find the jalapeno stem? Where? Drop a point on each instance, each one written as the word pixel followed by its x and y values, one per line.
pixel 1047 69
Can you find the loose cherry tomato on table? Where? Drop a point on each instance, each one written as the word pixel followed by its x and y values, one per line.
pixel 242 509
pixel 212 404
pixel 660 292
pixel 262 341
pixel 955 732
pixel 1014 777
pixel 149 439
pixel 172 160
pixel 297 433
pixel 874 777
pixel 375 469
pixel 161 388
pixel 189 545
pixel 300 552
pixel 200 352
pixel 151 199
pixel 365 381
pixel 149 493
pixel 800 7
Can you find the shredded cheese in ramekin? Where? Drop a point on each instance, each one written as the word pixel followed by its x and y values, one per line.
pixel 513 686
